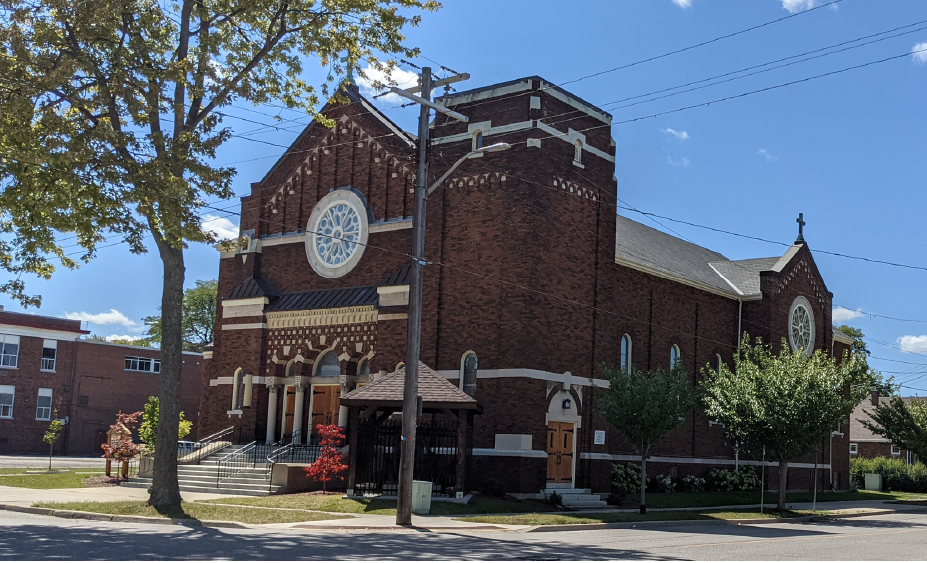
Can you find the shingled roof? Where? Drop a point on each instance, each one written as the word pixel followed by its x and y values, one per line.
pixel 253 287
pixel 434 389
pixel 327 299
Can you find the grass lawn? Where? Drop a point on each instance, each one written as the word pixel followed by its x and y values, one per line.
pixel 546 519
pixel 249 515
pixel 70 480
pixel 335 503
pixel 684 500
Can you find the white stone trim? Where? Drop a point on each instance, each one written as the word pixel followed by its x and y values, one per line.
pixel 244 326
pixel 252 307
pixel 17 330
pixel 878 440
pixel 391 225
pixel 842 337
pixel 229 380
pixel 511 128
pixel 565 378
pixel 571 137
pixel 300 236
pixel 519 86
pixel 553 92
pixel 336 197
pixel 321 317
pixel 694 460
pixel 392 316
pixel 490 452
pixel 787 257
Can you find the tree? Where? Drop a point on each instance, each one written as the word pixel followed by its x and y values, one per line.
pixel 197 319
pixel 905 424
pixel 645 407
pixel 111 115
pixel 51 436
pixel 328 465
pixel 148 430
pixel 785 402
pixel 121 447
pixel 879 383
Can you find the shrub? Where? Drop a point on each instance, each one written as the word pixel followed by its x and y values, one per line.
pixel 328 465
pixel 692 484
pixel 662 484
pixel 896 474
pixel 555 499
pixel 724 481
pixel 626 480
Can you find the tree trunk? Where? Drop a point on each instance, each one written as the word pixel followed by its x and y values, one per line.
pixel 51 449
pixel 783 478
pixel 165 490
pixel 643 485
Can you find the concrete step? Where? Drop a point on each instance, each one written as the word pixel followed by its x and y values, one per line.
pixel 141 483
pixel 565 491
pixel 586 504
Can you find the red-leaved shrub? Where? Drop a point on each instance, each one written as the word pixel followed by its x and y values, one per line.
pixel 328 465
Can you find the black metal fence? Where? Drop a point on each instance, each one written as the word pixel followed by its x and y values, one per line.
pixel 378 450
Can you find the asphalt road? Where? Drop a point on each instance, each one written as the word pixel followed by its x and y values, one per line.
pixel 889 537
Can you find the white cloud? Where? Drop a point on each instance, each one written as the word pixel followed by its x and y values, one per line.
pixel 913 344
pixel 220 227
pixel 681 135
pixel 683 3
pixel 684 162
pixel 399 78
pixel 112 337
pixel 841 315
pixel 113 317
pixel 919 53
pixel 767 156
pixel 797 5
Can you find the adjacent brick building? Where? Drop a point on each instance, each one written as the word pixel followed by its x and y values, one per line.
pixel 47 372
pixel 865 443
pixel 533 281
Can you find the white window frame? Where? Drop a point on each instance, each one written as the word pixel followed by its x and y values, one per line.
pixel 854 449
pixel 896 450
pixel 675 355
pixel 7 408
pixel 5 362
pixel 625 353
pixel 578 151
pixel 39 409
pixel 48 364
pixel 135 363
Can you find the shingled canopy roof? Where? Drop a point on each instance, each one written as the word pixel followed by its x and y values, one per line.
pixel 434 389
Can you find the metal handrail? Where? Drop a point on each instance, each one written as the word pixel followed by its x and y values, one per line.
pixel 298 453
pixel 235 462
pixel 214 437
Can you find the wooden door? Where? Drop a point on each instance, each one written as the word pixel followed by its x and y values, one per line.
pixel 560 452
pixel 326 401
pixel 290 407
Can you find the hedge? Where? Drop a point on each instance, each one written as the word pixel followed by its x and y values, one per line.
pixel 896 474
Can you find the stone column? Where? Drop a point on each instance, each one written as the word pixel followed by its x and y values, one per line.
pixel 271 412
pixel 343 410
pixel 298 410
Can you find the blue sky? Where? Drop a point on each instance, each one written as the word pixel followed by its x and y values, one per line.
pixel 849 151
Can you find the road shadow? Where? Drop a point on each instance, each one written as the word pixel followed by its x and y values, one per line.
pixel 134 542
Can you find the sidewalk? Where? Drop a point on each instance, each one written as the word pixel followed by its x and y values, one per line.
pixel 26 497
pixel 58 461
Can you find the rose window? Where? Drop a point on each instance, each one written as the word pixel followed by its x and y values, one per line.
pixel 800 325
pixel 337 234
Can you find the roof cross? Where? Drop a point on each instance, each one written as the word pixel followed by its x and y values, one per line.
pixel 801 225
pixel 349 70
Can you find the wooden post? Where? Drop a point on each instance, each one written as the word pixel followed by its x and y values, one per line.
pixel 125 470
pixel 461 452
pixel 353 422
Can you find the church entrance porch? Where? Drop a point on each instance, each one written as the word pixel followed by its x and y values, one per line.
pixel 560 452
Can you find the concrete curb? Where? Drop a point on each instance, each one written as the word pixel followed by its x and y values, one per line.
pixel 76 514
pixel 678 523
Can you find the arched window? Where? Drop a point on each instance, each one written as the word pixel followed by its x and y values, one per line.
pixel 578 151
pixel 675 356
pixel 625 362
pixel 719 364
pixel 468 367
pixel 400 365
pixel 328 365
pixel 363 368
pixel 477 140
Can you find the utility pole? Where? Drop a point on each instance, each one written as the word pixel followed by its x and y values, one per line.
pixel 414 331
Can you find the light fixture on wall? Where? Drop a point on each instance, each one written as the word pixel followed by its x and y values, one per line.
pixel 566 404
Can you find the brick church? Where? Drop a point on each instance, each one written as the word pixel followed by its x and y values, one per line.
pixel 533 281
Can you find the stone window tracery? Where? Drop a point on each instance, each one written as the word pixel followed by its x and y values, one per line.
pixel 468 369
pixel 801 326
pixel 675 356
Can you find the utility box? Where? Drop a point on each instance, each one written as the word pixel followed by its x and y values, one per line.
pixel 873 482
pixel 421 497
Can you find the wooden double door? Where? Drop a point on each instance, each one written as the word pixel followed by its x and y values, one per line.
pixel 560 452
pixel 326 402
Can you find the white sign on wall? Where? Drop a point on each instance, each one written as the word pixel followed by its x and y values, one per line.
pixel 599 438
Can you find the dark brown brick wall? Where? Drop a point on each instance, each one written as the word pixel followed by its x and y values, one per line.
pixel 90 386
pixel 522 246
